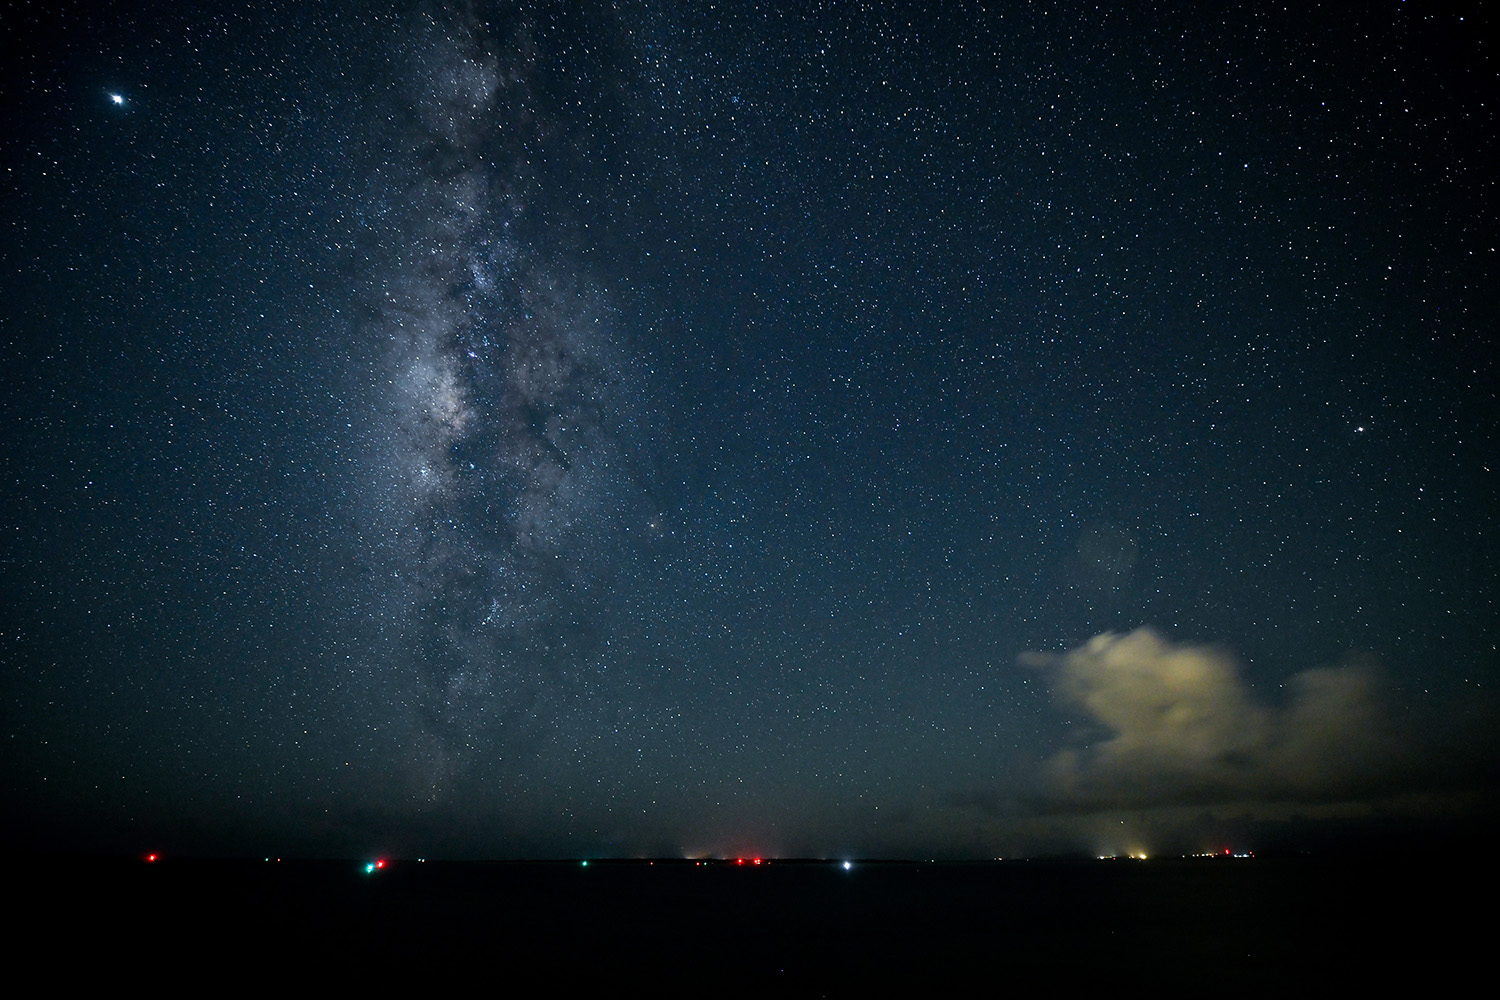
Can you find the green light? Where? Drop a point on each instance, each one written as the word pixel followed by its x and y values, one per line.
pixel 585 864
pixel 370 868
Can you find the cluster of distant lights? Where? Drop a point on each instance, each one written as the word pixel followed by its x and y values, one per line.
pixel 1141 855
pixel 371 867
pixel 380 864
pixel 846 865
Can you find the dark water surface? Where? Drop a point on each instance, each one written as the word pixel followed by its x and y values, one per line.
pixel 1184 926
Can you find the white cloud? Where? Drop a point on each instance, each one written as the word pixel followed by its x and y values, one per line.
pixel 1177 724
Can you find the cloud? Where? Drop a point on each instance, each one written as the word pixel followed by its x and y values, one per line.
pixel 1171 751
pixel 1176 725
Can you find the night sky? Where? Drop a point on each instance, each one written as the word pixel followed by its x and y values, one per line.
pixel 835 429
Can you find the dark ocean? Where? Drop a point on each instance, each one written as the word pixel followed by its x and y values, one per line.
pixel 1187 926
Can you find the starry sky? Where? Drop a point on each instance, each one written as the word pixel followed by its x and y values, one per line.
pixel 837 429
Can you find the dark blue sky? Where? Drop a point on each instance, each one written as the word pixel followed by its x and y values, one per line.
pixel 854 428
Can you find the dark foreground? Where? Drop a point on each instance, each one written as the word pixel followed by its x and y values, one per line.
pixel 1245 927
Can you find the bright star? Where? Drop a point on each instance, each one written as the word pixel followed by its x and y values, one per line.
pixel 117 99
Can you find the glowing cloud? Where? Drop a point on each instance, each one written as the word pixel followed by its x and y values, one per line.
pixel 1180 726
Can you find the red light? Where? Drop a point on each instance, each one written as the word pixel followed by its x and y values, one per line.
pixel 757 860
pixel 380 864
pixel 739 861
pixel 150 857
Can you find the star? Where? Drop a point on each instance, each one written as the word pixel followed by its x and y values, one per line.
pixel 118 100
